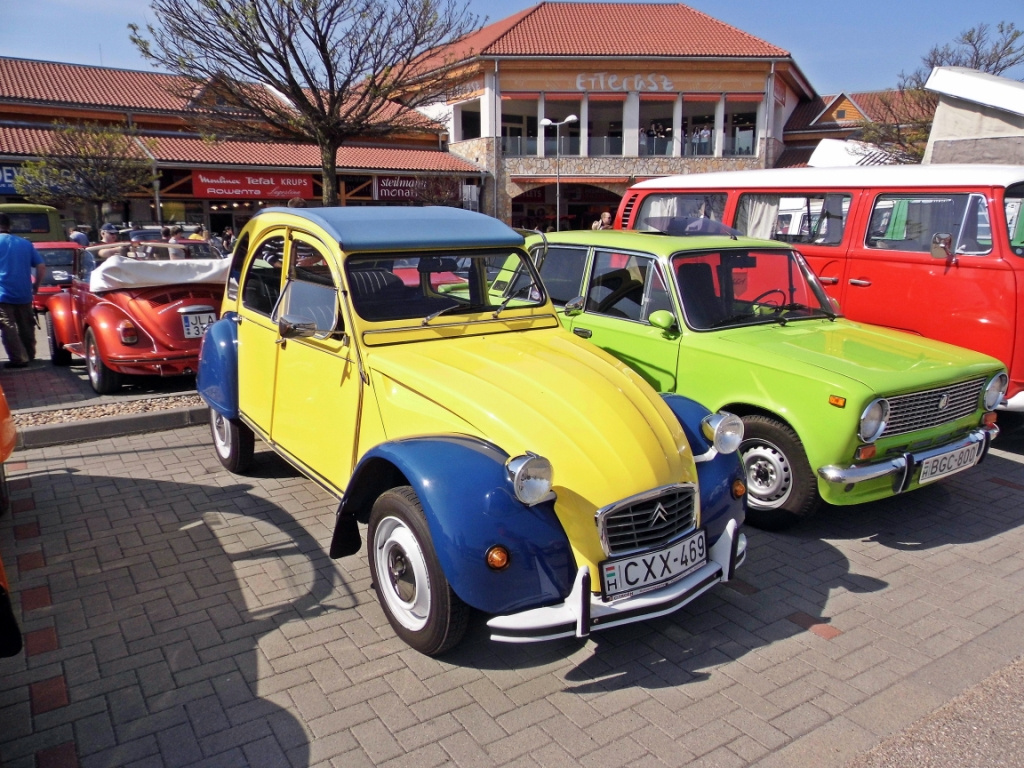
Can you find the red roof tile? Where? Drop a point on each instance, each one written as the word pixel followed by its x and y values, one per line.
pixel 192 151
pixel 613 29
pixel 49 82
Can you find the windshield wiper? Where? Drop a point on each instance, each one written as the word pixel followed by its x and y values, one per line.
pixel 504 303
pixel 451 307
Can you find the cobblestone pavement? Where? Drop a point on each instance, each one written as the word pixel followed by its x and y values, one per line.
pixel 178 615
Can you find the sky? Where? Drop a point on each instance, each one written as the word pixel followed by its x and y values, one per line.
pixel 849 47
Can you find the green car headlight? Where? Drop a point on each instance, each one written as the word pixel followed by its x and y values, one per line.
pixel 995 391
pixel 874 420
pixel 531 477
pixel 724 430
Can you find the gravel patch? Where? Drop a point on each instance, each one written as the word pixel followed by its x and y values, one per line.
pixel 122 408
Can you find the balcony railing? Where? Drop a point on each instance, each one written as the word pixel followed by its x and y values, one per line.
pixel 741 145
pixel 519 146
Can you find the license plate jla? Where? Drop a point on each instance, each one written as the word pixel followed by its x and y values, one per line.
pixel 651 570
pixel 949 462
pixel 195 324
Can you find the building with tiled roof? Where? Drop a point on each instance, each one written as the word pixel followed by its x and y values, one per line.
pixel 566 103
pixel 34 94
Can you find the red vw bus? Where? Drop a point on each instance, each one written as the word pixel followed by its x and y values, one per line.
pixel 934 250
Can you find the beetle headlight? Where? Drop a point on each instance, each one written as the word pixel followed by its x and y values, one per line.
pixel 995 391
pixel 531 478
pixel 874 419
pixel 723 430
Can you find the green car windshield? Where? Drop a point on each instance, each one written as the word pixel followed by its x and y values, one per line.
pixel 734 287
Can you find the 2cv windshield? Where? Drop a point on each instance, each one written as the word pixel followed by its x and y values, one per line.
pixel 723 289
pixel 424 286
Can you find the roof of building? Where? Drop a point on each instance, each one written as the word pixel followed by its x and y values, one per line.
pixel 190 150
pixel 613 29
pixel 978 88
pixel 820 114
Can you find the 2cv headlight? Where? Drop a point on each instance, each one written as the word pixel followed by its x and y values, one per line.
pixel 531 477
pixel 995 391
pixel 724 430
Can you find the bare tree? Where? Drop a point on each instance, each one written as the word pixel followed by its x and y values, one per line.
pixel 87 163
pixel 318 71
pixel 905 115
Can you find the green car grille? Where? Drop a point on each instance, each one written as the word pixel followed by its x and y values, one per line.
pixel 648 521
pixel 932 408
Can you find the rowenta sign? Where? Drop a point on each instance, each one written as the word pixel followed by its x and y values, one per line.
pixel 252 185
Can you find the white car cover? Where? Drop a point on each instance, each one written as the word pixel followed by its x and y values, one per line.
pixel 118 272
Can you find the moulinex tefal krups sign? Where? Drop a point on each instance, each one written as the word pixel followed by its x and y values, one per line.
pixel 251 186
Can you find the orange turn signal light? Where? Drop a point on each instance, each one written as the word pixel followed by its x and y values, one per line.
pixel 865 452
pixel 837 401
pixel 738 488
pixel 497 558
pixel 989 419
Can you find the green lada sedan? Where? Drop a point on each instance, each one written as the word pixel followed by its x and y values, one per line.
pixel 834 410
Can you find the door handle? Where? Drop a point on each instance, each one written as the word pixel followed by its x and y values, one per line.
pixel 861 283
pixel 583 333
pixel 828 280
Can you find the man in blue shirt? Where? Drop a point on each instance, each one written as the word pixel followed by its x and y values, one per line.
pixel 17 327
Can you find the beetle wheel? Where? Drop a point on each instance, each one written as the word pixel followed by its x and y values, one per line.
pixel 781 488
pixel 233 441
pixel 103 380
pixel 420 604
pixel 58 355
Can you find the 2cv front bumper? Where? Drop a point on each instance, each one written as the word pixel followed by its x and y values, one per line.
pixel 583 611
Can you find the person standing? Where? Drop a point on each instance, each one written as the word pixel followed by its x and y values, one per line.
pixel 77 236
pixel 17 327
pixel 605 222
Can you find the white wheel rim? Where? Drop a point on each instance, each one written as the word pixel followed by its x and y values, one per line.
pixel 92 357
pixel 221 434
pixel 769 476
pixel 401 572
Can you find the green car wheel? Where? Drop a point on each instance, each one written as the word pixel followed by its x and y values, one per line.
pixel 781 489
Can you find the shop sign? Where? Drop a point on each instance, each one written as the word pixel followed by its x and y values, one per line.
pixel 7 174
pixel 412 187
pixel 612 81
pixel 254 185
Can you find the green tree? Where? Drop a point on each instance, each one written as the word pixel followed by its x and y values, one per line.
pixel 316 71
pixel 87 163
pixel 905 115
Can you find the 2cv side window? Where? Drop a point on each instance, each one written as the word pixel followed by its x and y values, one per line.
pixel 262 284
pixel 311 292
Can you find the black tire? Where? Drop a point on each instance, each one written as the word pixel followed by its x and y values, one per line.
pixel 233 441
pixel 5 492
pixel 411 586
pixel 58 355
pixel 781 488
pixel 103 380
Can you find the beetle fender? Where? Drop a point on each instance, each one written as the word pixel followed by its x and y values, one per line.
pixel 716 476
pixel 217 377
pixel 62 318
pixel 470 506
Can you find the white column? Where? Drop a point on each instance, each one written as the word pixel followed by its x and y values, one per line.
pixel 584 126
pixel 719 125
pixel 678 134
pixel 631 125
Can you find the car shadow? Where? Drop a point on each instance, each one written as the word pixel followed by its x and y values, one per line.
pixel 150 602
pixel 781 591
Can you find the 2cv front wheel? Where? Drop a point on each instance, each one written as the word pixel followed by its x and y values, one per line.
pixel 420 604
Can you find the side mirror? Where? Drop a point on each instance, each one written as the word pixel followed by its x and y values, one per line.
pixel 575 306
pixel 942 247
pixel 663 319
pixel 296 327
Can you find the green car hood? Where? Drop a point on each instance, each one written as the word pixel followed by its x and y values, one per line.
pixel 883 360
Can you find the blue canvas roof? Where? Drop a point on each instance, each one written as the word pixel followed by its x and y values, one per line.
pixel 381 228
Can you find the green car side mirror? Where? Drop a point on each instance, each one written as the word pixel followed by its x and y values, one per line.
pixel 663 319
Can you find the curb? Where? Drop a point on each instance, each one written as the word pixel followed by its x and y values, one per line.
pixel 46 435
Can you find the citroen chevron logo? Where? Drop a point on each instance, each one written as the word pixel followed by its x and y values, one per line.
pixel 660 515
